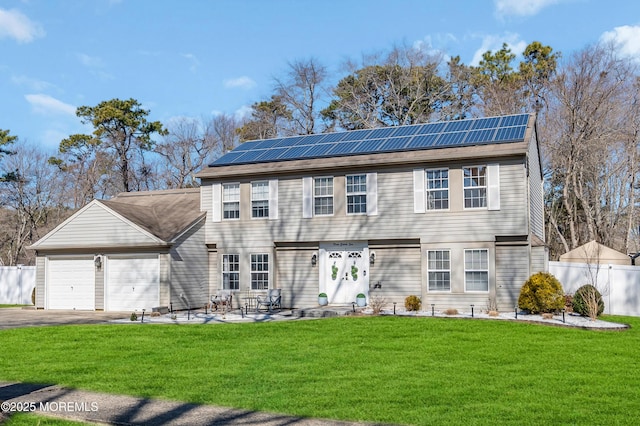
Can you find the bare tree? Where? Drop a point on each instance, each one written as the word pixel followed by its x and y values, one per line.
pixel 33 204
pixel 190 145
pixel 301 90
pixel 585 136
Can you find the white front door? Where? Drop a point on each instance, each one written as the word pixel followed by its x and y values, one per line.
pixel 345 271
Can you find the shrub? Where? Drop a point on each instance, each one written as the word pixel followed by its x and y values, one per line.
pixel 568 302
pixel 134 317
pixel 322 295
pixel 451 311
pixel 588 302
pixel 542 292
pixel 412 303
pixel 377 303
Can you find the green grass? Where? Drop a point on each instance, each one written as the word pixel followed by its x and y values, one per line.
pixel 24 419
pixel 376 369
pixel 12 306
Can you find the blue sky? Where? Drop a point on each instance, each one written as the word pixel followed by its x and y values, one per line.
pixel 196 58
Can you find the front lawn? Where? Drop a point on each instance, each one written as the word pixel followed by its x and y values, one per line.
pixel 376 369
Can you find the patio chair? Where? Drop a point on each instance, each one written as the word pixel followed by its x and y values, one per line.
pixel 271 301
pixel 223 299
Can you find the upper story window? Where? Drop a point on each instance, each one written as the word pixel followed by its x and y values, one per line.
pixel 357 194
pixel 475 187
pixel 323 196
pixel 439 270
pixel 437 189
pixel 260 199
pixel 231 200
pixel 476 270
pixel 231 272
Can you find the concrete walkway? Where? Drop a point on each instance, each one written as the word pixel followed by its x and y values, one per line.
pixel 94 407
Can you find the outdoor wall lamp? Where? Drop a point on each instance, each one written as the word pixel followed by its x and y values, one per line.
pixel 372 258
pixel 314 259
pixel 97 260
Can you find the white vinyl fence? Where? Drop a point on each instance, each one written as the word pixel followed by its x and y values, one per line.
pixel 619 284
pixel 16 284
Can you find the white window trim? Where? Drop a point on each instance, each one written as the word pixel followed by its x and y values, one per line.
pixel 347 194
pixel 273 199
pixel 229 272
pixel 427 190
pixel 259 199
pixel 333 194
pixel 307 197
pixel 251 271
pixel 419 201
pixel 493 187
pixel 372 194
pixel 439 270
pixel 477 270
pixel 222 201
pixel 486 187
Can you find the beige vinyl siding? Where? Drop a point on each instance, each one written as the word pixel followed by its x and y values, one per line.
pixel 40 281
pixel 536 191
pixel 398 271
pixel 512 270
pixel 297 278
pixel 96 226
pixel 539 259
pixel 189 269
pixel 396 218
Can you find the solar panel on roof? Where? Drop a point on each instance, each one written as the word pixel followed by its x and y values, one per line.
pixel 394 144
pixel 382 133
pixel 343 148
pixel 424 136
pixel 458 125
pixel 452 138
pixel 482 135
pixel 510 133
pixel 333 137
pixel 485 123
pixel 368 146
pixel 422 141
pixel 272 154
pixel 407 131
pixel 296 151
pixel 318 150
pixel 430 128
pixel 356 135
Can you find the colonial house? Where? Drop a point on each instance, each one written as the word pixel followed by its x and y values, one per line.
pixel 450 211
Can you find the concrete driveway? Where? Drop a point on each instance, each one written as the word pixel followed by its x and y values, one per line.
pixel 19 317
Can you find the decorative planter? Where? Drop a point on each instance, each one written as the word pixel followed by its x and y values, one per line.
pixel 361 301
pixel 323 300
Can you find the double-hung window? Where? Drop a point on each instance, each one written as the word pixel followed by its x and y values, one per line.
pixel 475 187
pixel 259 271
pixel 476 270
pixel 437 189
pixel 260 199
pixel 231 271
pixel 357 194
pixel 231 200
pixel 439 270
pixel 323 196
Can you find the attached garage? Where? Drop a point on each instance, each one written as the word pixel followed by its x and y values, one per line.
pixel 135 251
pixel 70 283
pixel 132 283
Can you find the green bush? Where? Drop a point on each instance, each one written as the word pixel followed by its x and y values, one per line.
pixel 542 292
pixel 585 299
pixel 412 303
pixel 133 317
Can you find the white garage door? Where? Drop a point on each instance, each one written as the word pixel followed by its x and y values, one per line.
pixel 70 284
pixel 132 283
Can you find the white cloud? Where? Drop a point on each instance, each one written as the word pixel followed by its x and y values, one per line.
pixel 243 82
pixel 14 24
pixel 47 105
pixel 90 61
pixel 627 38
pixel 495 42
pixel 193 59
pixel 31 83
pixel 521 7
pixel 243 112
